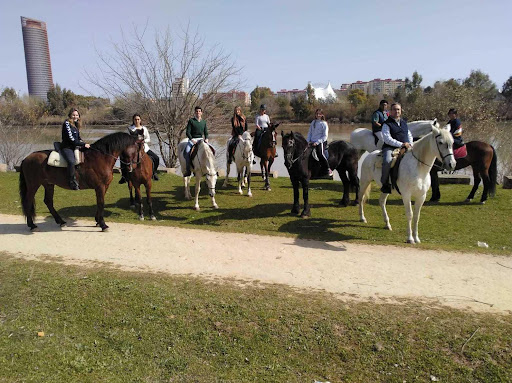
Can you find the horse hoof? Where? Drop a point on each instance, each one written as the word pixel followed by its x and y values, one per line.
pixel 343 204
pixel 389 227
pixel 482 202
pixel 467 200
pixel 196 208
pixel 153 218
pixel 141 218
pixel 240 192
pixel 34 229
pixel 410 241
pixel 249 194
pixel 105 228
pixel 363 220
pixel 97 224
pixel 215 206
pixel 63 224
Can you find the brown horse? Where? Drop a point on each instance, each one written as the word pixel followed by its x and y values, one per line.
pixel 483 159
pixel 141 174
pixel 267 152
pixel 94 173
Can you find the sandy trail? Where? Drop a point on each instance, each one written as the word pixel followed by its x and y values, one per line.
pixel 352 271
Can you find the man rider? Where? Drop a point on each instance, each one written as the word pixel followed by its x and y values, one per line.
pixel 395 134
pixel 378 118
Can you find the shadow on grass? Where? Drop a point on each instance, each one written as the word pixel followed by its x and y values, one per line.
pixel 315 228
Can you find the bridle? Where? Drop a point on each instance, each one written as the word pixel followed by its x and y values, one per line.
pixel 438 149
pixel 244 141
pixel 293 160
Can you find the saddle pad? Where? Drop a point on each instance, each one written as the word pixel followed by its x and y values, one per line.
pixel 394 156
pixel 58 161
pixel 460 152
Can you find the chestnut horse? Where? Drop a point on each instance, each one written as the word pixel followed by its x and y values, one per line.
pixel 141 174
pixel 484 161
pixel 267 152
pixel 94 173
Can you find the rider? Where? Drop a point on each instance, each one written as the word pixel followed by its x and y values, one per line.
pixel 238 127
pixel 317 137
pixel 70 141
pixel 455 129
pixel 395 134
pixel 262 123
pixel 378 118
pixel 196 129
pixel 136 124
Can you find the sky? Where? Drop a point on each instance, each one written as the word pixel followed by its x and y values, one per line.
pixel 281 44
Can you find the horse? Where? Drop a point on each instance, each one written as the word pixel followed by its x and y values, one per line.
pixel 243 159
pixel 267 152
pixel 94 173
pixel 203 164
pixel 364 140
pixel 141 174
pixel 484 161
pixel 343 157
pixel 413 176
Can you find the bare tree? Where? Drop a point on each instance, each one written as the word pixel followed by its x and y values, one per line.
pixel 165 79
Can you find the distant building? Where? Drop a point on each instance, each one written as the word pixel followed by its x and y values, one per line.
pixel 37 57
pixel 180 87
pixel 291 94
pixel 373 87
pixel 233 96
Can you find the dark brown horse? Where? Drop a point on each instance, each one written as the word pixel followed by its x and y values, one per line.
pixel 267 152
pixel 343 156
pixel 141 174
pixel 94 173
pixel 483 159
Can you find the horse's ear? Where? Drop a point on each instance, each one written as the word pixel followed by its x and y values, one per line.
pixel 276 125
pixel 282 134
pixel 291 134
pixel 434 122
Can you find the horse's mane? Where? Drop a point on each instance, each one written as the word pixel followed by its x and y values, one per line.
pixel 114 142
pixel 298 137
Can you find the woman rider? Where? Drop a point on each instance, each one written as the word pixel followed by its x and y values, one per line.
pixel 238 127
pixel 70 141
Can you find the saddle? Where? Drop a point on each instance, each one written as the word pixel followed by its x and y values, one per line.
pixel 57 160
pixel 460 152
pixel 193 152
pixel 326 152
pixel 396 158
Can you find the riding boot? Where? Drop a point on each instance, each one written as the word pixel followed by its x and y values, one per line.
pixel 155 175
pixel 73 183
pixel 124 174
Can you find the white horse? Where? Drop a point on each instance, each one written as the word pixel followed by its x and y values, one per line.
pixel 203 164
pixel 364 140
pixel 413 176
pixel 243 159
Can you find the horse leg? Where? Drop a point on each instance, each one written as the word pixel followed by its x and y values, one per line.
pixel 408 216
pixel 248 175
pixel 382 202
pixel 138 199
pixel 30 206
pixel 148 200
pixel 186 181
pixel 240 181
pixel 296 206
pixel 132 201
pixel 436 193
pixel 487 183
pixel 262 169
pixel 228 168
pixel 416 217
pixel 48 200
pixel 363 195
pixel 100 203
pixel 477 180
pixel 198 189
pixel 306 213
pixel 267 182
pixel 345 200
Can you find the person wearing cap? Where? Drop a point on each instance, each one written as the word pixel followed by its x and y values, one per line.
pixel 455 129
pixel 262 123
pixel 378 118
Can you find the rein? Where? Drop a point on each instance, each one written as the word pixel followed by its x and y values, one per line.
pixel 299 157
pixel 441 154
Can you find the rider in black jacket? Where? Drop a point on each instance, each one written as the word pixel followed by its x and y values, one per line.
pixel 71 140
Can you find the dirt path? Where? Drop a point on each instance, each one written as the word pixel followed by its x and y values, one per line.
pixel 379 273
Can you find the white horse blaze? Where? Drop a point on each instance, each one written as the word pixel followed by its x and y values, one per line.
pixel 413 178
pixel 243 159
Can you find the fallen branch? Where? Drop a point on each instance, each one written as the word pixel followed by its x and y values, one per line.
pixel 464 345
pixel 508 267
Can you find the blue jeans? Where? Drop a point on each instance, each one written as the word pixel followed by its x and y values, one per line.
pixel 186 153
pixel 386 164
pixel 69 155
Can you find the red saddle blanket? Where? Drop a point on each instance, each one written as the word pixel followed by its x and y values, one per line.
pixel 460 152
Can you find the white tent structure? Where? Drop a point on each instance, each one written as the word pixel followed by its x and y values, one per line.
pixel 324 92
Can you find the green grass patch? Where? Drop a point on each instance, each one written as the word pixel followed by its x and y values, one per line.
pixel 104 325
pixel 449 225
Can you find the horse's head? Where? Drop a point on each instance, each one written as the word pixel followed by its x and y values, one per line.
pixel 139 134
pixel 246 144
pixel 444 142
pixel 207 161
pixel 288 148
pixel 130 155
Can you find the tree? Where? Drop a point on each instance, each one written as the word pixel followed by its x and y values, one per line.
pixel 301 107
pixel 506 91
pixel 9 94
pixel 165 79
pixel 257 96
pixel 310 94
pixel 414 83
pixel 480 81
pixel 356 97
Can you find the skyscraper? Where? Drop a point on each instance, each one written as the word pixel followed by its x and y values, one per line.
pixel 37 57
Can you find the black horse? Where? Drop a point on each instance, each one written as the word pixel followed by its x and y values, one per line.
pixel 343 157
pixel 483 159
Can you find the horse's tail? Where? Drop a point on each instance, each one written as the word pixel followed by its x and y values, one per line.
pixel 493 173
pixel 23 194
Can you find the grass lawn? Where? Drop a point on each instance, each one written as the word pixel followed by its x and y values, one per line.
pixel 103 325
pixel 449 225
